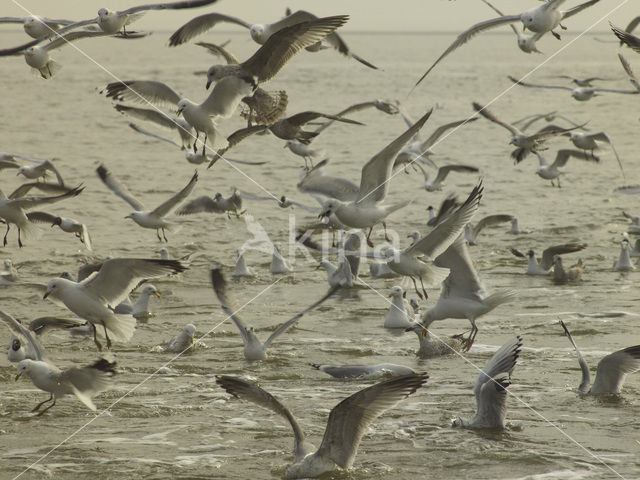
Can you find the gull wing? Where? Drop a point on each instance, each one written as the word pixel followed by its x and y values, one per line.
pixel 148 114
pixel 613 369
pixel 374 181
pixel 627 68
pixel 62 40
pixel 41 325
pixel 118 276
pixel 23 334
pixel 302 118
pixel 517 253
pixel 118 188
pixel 334 187
pixel 234 139
pixel 89 381
pixel 489 221
pixel 50 166
pixel 284 44
pixel 142 91
pixel 41 217
pixel 226 95
pixel 502 15
pixel 201 24
pixel 226 302
pixel 603 137
pixel 428 143
pixel 562 157
pixel 586 376
pixel 168 205
pixel 578 8
pixel 31 202
pixel 254 394
pixel 200 204
pixel 486 113
pixel 463 280
pixel 552 131
pixel 349 419
pixel 167 6
pixel 547 255
pixel 289 323
pixel 503 361
pixel 151 134
pixel 445 169
pixel 631 41
pixel 50 188
pixel 446 207
pixel 632 24
pixel 219 51
pixel 532 85
pixel 469 33
pixel 446 232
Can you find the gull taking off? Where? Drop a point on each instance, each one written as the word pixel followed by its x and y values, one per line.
pixel 543 266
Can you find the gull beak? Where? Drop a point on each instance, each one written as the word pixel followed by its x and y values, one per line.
pixel 408 329
pixel 391 295
pixel 424 333
pixel 318 267
pixel 156 294
pixel 46 294
pixel 208 84
pixel 18 376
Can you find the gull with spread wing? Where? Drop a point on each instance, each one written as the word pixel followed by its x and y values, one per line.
pixel 365 212
pixel 147 219
pixel 581 94
pixel 346 425
pixel 552 171
pixel 36 26
pixel 626 38
pixel 490 388
pixel 544 265
pixel 612 369
pixel 540 19
pixel 525 43
pixel 443 172
pixel 254 349
pixel 68 225
pixel 471 232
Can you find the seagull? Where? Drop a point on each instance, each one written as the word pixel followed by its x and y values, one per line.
pixel 381 270
pixel 526 44
pixel 12 211
pixel 541 19
pixel 50 188
pixel 140 309
pixel 304 151
pixel 471 232
pixel 544 265
pixel 94 297
pixel 253 348
pixel 548 117
pixel 552 171
pixel 524 143
pixel 10 273
pixel 462 294
pixel 40 170
pixel 634 227
pixel 182 341
pixel 436 184
pixel 623 263
pixel 241 269
pixel 218 204
pixel 515 229
pixel 587 141
pixel 221 102
pixel 627 68
pixel 490 388
pixel 146 219
pixel 84 382
pixel 629 40
pixel 36 26
pixel 417 260
pixel 364 371
pixel 22 344
pixel 315 181
pixel 277 51
pixel 612 369
pixel 365 212
pixel 400 314
pixel 572 274
pixel 180 125
pixel 582 82
pixel 278 265
pixel 37 56
pixel 434 347
pixel 340 275
pixel 347 422
pixel 41 325
pixel 68 225
pixel 262 33
pixel 580 94
pixel 111 22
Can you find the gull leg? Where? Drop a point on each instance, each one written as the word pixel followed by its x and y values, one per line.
pixel 386 237
pixel 558 182
pixel 5 235
pixel 369 242
pixel 195 142
pixel 415 286
pixel 19 241
pixel 472 336
pixel 423 289
pixel 555 34
pixel 95 338
pixel 204 145
pixel 37 407
pixel 42 412
pixel 158 234
pixel 164 235
pixel 107 336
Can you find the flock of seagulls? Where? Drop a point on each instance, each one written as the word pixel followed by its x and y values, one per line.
pixel 442 256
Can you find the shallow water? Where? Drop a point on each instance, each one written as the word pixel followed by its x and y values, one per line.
pixel 178 423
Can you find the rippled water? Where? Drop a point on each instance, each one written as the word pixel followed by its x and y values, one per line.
pixel 178 423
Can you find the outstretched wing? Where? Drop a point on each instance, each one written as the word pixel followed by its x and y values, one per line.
pixel 486 113
pixel 201 24
pixel 142 91
pixel 23 334
pixel 172 202
pixel 227 303
pixel 613 369
pixel 118 188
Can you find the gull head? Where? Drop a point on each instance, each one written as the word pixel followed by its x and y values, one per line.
pixel 415 235
pixel 30 20
pixel 135 216
pixel 150 290
pixel 557 261
pixel 57 221
pixel 276 246
pixel 23 366
pixel 457 422
pixel 16 345
pixel 390 253
pixel 328 208
pixel 182 104
pixel 257 33
pixel 8 264
pixel 164 253
pixel 54 285
pixel 189 329
pixel 103 13
pixel 213 75
pixel 397 291
pixel 530 254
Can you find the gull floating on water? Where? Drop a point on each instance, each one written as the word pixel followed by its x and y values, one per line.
pixel 612 369
pixel 541 19
pixel 254 349
pixel 340 275
pixel 92 298
pixel 278 265
pixel 365 212
pixel 623 263
pixel 140 309
pixel 241 269
pixel 364 371
pixel 490 388
pixel 346 425
pixel 182 341
pixel 581 94
pixel 147 219
pixel 571 274
pixel 544 265
pixel 68 225
pixel 400 314
pixel 552 171
pixel 434 347
pixel 10 273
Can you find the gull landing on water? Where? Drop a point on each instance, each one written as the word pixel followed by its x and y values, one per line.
pixel 544 265
pixel 346 425
pixel 612 369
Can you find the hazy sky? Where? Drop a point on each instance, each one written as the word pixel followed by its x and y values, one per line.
pixel 398 15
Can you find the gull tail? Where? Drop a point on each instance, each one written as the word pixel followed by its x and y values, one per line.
pixel 389 209
pixel 121 327
pixel 49 69
pixel 498 298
